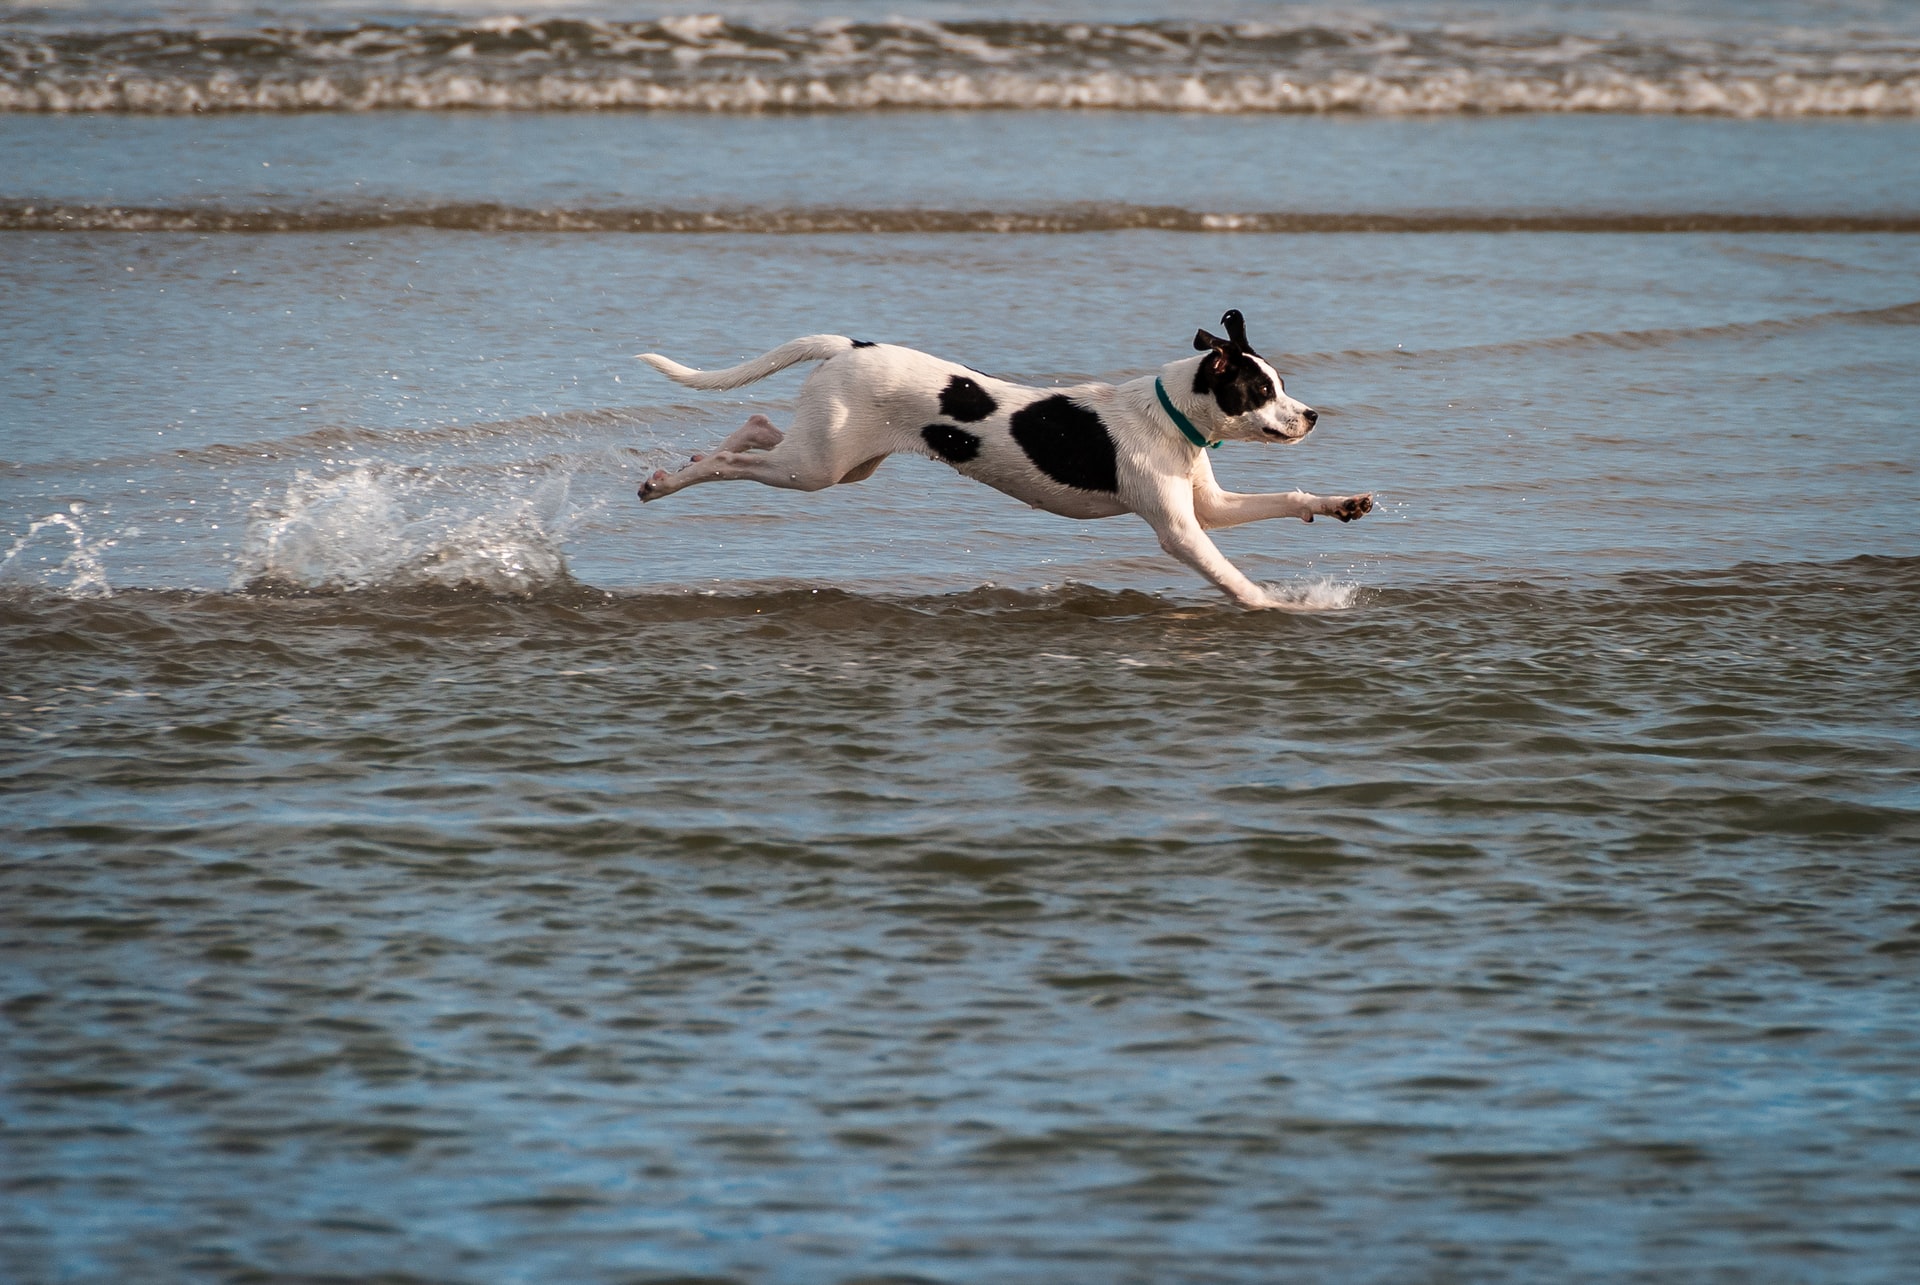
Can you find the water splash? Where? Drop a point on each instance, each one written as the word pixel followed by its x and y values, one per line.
pixel 1324 594
pixel 377 527
pixel 81 573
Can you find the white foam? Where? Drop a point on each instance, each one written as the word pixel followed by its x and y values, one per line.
pixel 1324 594
pixel 1443 92
pixel 382 528
pixel 1311 63
pixel 81 571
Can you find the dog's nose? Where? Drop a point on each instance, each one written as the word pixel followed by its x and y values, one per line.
pixel 1311 415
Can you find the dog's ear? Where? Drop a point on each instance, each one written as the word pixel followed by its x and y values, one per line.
pixel 1215 366
pixel 1236 329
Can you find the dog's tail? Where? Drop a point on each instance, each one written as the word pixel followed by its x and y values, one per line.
pixel 791 353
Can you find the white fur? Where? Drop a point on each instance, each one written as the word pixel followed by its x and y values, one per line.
pixel 868 402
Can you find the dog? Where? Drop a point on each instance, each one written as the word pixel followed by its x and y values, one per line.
pixel 1089 451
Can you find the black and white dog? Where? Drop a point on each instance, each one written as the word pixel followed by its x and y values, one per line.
pixel 1090 451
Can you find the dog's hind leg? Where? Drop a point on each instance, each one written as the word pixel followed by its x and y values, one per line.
pixel 720 464
pixel 757 434
pixel 784 466
pixel 822 448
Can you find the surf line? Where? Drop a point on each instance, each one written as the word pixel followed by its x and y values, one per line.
pixel 36 216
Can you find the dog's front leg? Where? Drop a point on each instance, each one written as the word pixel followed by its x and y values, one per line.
pixel 1217 508
pixel 1227 508
pixel 1172 518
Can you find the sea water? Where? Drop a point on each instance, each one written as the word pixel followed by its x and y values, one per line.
pixel 423 862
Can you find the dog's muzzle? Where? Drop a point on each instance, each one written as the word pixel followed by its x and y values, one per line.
pixel 1311 417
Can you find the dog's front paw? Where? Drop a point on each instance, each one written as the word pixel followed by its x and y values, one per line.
pixel 1353 506
pixel 651 486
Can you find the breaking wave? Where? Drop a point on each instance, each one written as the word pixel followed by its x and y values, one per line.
pixel 385 528
pixel 712 64
pixel 38 216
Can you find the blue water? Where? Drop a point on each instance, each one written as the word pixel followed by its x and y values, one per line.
pixel 418 861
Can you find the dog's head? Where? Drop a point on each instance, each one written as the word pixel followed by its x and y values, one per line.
pixel 1253 401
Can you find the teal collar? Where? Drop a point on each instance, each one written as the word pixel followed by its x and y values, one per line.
pixel 1181 422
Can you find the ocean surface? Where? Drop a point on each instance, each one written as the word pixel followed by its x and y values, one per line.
pixel 421 863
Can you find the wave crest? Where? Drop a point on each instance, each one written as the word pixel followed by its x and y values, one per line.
pixel 477 216
pixel 710 64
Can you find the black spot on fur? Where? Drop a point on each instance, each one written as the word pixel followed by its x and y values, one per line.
pixel 863 343
pixel 1234 380
pixel 954 445
pixel 1068 443
pixel 966 401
